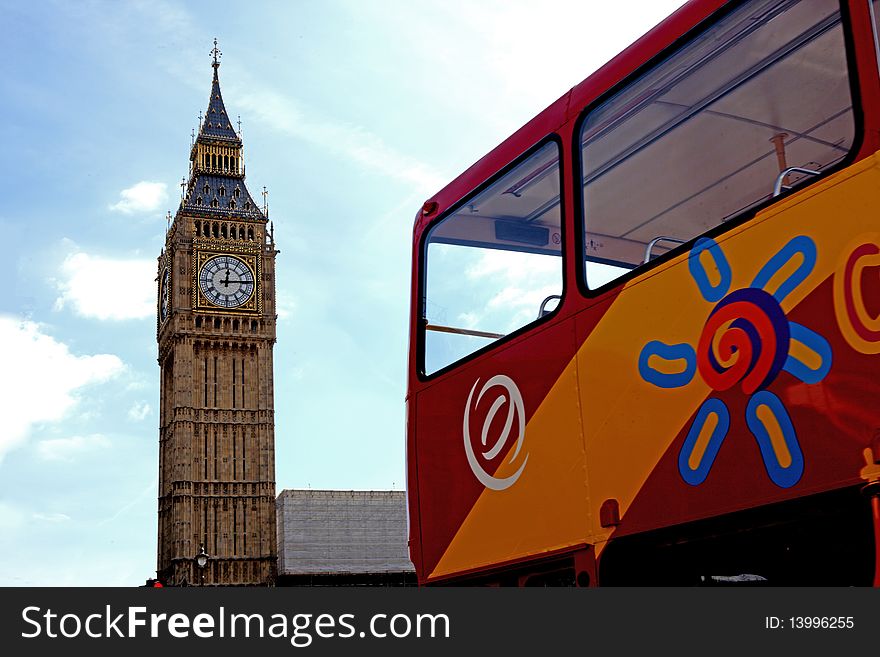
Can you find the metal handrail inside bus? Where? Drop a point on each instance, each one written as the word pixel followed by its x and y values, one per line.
pixel 543 309
pixel 654 242
pixel 461 331
pixel 777 188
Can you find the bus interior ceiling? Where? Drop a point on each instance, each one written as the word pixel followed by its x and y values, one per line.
pixel 704 135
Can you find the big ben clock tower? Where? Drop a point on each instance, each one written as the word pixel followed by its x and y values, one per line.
pixel 216 330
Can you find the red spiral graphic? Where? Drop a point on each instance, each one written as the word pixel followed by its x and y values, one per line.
pixel 754 343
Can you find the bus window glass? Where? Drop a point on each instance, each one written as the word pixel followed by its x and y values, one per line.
pixel 495 264
pixel 875 14
pixel 704 135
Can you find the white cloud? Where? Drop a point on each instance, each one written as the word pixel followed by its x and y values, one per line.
pixel 137 381
pixel 513 265
pixel 139 411
pixel 144 196
pixel 51 517
pixel 469 320
pixel 67 449
pixel 346 140
pixel 105 288
pixel 43 379
pixel 520 55
pixel 589 36
pixel 506 288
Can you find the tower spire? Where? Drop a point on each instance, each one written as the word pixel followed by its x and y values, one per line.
pixel 216 55
pixel 217 124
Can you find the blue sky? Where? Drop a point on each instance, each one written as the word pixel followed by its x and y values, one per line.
pixel 353 113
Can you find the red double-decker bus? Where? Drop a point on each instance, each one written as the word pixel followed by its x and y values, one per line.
pixel 645 329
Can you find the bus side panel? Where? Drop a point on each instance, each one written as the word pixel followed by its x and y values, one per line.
pixel 413 514
pixel 744 372
pixel 528 496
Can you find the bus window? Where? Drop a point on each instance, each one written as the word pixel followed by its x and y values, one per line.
pixel 704 135
pixel 493 264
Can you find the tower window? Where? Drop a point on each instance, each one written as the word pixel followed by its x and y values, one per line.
pixel 241 232
pixel 222 191
pixel 215 532
pixel 237 192
pixel 213 161
pixel 216 326
pixel 206 188
pixel 243 438
pixel 198 226
pixel 198 200
pixel 247 205
pixel 206 160
pixel 215 203
pixel 234 515
pixel 251 234
pixel 231 204
pixel 223 231
pixel 243 509
pixel 226 162
pixel 215 229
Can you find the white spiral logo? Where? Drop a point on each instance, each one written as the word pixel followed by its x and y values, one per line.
pixel 515 407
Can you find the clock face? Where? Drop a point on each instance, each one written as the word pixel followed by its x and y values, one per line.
pixel 165 295
pixel 226 281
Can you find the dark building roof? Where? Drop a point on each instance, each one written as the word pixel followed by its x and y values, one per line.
pixel 215 194
pixel 217 124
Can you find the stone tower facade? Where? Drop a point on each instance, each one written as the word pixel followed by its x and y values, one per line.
pixel 216 331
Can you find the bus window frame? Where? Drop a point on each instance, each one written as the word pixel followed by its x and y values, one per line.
pixel 874 28
pixel 580 219
pixel 421 298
